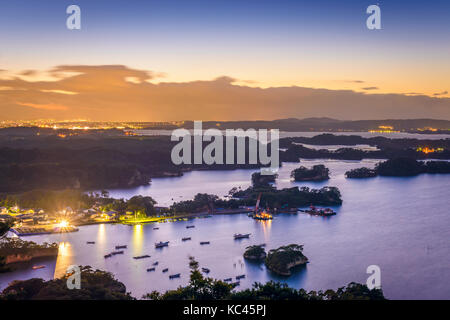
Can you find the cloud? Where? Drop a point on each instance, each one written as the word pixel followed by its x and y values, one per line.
pixel 225 80
pixel 370 88
pixel 59 91
pixel 28 73
pixel 443 93
pixel 354 81
pixel 104 92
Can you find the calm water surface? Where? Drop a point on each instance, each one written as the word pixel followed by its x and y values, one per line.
pixel 399 224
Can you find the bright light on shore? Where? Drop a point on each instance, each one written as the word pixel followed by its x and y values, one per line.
pixel 63 224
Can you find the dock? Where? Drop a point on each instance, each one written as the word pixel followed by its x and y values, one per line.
pixel 33 231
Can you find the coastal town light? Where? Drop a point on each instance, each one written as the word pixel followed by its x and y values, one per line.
pixel 63 224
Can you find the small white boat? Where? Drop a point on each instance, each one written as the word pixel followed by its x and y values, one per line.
pixel 38 267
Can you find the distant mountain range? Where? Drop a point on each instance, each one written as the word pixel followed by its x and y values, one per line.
pixel 324 124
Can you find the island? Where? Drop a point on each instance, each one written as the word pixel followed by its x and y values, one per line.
pixel 15 250
pixel 255 252
pixel 96 285
pixel 283 259
pixel 316 173
pixel 259 180
pixel 361 173
pixel 400 167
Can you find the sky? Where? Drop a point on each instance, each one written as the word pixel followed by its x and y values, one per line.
pixel 224 60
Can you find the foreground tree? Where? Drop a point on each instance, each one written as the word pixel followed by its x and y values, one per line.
pixel 200 288
pixel 95 285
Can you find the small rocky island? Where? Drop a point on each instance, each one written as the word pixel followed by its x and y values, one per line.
pixel 316 173
pixel 361 173
pixel 14 250
pixel 255 252
pixel 283 259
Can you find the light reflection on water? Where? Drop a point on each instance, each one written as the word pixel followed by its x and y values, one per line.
pixel 64 259
pixel 138 239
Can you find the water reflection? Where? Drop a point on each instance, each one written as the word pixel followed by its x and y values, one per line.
pixel 64 259
pixel 101 234
pixel 138 238
pixel 266 226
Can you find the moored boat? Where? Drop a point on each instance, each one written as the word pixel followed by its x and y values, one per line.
pixel 38 267
pixel 161 244
pixel 228 279
pixel 191 226
pixel 165 270
pixel 319 211
pixel 150 269
pixel 204 242
pixel 240 277
pixel 262 216
pixel 172 276
pixel 141 257
pixel 186 239
pixel 121 247
pixel 241 236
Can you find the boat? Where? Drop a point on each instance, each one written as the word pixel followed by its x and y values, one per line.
pixel 227 279
pixel 241 236
pixel 260 215
pixel 188 227
pixel 235 284
pixel 38 267
pixel 155 228
pixel 206 270
pixel 319 211
pixel 150 269
pixel 121 247
pixel 242 276
pixel 141 257
pixel 172 276
pixel 155 263
pixel 90 242
pixel 165 270
pixel 161 244
pixel 116 252
pixel 204 242
pixel 186 239
pixel 109 255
